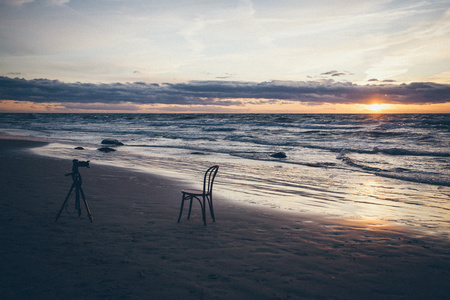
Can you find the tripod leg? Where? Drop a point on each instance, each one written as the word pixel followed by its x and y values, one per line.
pixel 86 205
pixel 65 201
pixel 77 201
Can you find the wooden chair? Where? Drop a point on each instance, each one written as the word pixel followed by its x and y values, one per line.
pixel 201 195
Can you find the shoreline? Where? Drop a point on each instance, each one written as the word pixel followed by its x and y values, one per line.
pixel 134 248
pixel 328 187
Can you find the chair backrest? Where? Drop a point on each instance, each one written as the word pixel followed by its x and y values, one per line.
pixel 208 181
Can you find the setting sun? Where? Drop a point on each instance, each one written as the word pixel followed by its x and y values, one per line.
pixel 375 107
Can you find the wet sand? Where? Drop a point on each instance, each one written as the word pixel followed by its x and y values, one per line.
pixel 135 249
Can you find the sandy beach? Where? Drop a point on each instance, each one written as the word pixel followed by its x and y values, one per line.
pixel 135 249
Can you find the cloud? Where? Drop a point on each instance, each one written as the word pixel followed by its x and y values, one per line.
pixel 101 106
pixel 335 73
pixel 22 2
pixel 220 93
pixel 58 2
pixel 15 2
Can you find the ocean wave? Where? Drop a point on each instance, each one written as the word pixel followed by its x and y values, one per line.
pixel 353 163
pixel 405 152
pixel 376 150
pixel 218 129
pixel 417 177
pixel 256 140
pixel 381 137
pixel 400 173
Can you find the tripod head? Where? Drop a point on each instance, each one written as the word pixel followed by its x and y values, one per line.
pixel 76 164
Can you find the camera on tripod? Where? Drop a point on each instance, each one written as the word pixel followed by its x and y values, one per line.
pixel 76 164
pixel 76 184
pixel 81 163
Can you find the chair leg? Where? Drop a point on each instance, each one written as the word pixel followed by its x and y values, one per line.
pixel 204 211
pixel 181 209
pixel 202 205
pixel 190 207
pixel 211 209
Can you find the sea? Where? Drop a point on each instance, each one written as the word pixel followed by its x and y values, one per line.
pixel 390 168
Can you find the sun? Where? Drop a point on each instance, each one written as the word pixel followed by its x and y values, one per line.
pixel 375 107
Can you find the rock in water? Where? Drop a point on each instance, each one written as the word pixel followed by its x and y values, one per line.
pixel 112 142
pixel 279 155
pixel 198 153
pixel 106 149
pixel 79 148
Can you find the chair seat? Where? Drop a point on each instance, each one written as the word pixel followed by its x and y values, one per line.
pixel 193 192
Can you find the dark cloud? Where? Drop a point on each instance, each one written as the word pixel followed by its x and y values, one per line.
pixel 386 80
pixel 330 72
pixel 335 73
pixel 221 93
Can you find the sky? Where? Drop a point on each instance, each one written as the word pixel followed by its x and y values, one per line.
pixel 322 56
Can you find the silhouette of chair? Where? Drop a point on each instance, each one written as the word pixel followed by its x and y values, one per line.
pixel 201 195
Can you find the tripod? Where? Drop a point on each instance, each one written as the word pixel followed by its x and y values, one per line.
pixel 77 181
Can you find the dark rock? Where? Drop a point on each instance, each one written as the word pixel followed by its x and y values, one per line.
pixel 112 142
pixel 198 153
pixel 106 149
pixel 279 155
pixel 79 148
